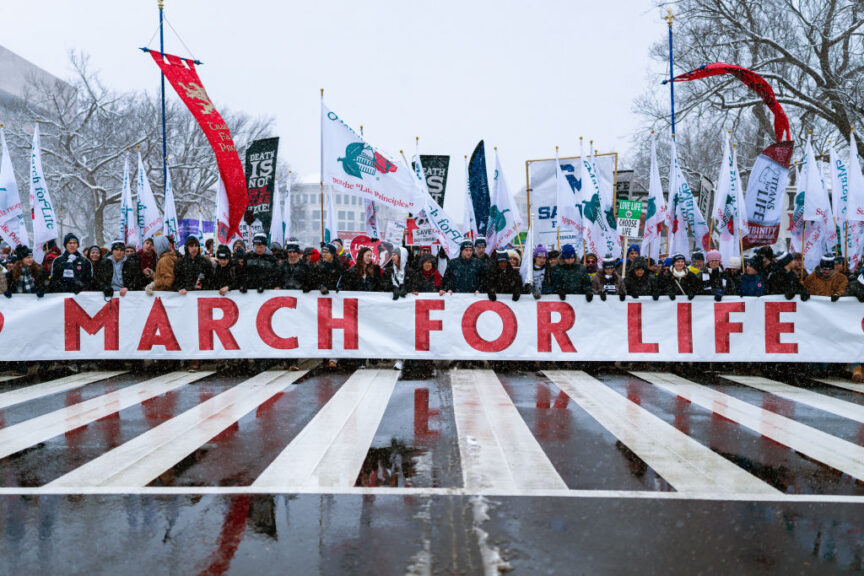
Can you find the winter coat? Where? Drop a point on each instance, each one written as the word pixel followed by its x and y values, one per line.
pixel 856 288
pixel 147 260
pixel 261 272
pixel 716 282
pixel 71 273
pixel 13 275
pixel 734 280
pixel 188 271
pixel 164 274
pixel 571 279
pixel 465 276
pixel 396 277
pixel 819 285
pixel 296 276
pixel 228 275
pixel 689 285
pixel 355 282
pixel 751 285
pixel 645 285
pixel 611 285
pixel 785 282
pixel 420 281
pixel 542 280
pixel 506 281
pixel 327 274
pixel 133 279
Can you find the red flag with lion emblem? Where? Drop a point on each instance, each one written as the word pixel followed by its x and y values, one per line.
pixel 181 73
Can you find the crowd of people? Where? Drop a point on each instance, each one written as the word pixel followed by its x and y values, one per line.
pixel 160 266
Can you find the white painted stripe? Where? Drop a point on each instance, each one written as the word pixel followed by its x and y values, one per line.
pixel 845 384
pixel 145 457
pixel 399 492
pixel 31 432
pixel 9 378
pixel 835 452
pixel 496 447
pixel 682 461
pixel 330 450
pixel 803 396
pixel 52 387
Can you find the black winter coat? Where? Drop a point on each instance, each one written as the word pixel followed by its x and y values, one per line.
pixel 690 285
pixel 261 272
pixel 786 283
pixel 571 279
pixel 296 276
pixel 70 273
pixel 506 281
pixel 372 282
pixel 133 279
pixel 646 285
pixel 227 275
pixel 465 276
pixel 327 274
pixel 416 281
pixel 188 271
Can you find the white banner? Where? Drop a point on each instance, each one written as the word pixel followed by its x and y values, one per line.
pixel 541 175
pixel 12 227
pixel 149 219
pixel 290 324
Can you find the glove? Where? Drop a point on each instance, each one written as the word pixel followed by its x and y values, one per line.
pixel 718 296
pixel 655 297
pixel 492 296
pixel 306 290
pixel 671 296
pixel 622 297
pixel 789 295
pixel 589 297
pixel 40 293
pixel 805 296
pixel 323 289
pixel 516 295
pixel 260 290
pixel 395 293
pixel 691 296
pixel 636 296
pixel 403 291
pixel 108 292
pixel 8 293
pixel 149 289
pixel 535 293
pixel 77 289
pixel 243 289
pixel 835 297
pixel 562 295
pixel 603 296
pixel 860 297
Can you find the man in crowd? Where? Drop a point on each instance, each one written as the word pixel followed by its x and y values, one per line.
pixel 786 277
pixel 570 277
pixel 71 272
pixel 193 271
pixel 118 272
pixel 147 259
pixel 295 274
pixel 225 274
pixel 262 269
pixel 465 274
pixel 825 281
pixel 503 278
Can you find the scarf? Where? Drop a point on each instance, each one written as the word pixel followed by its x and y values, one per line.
pixel 678 274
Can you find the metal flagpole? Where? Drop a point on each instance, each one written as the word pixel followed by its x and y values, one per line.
pixel 322 170
pixel 670 17
pixel 737 224
pixel 162 74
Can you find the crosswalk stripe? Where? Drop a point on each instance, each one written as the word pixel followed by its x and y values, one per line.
pixel 330 450
pixel 682 461
pixel 52 387
pixel 845 384
pixel 145 457
pixel 8 378
pixel 31 432
pixel 803 396
pixel 830 450
pixel 496 447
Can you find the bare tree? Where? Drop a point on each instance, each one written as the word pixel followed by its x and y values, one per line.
pixel 86 131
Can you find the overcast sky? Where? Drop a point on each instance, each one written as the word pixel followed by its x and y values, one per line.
pixel 523 76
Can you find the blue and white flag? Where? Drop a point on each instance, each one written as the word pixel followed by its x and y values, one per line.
pixel 655 208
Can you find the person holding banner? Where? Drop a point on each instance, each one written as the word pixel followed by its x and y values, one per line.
pixel 542 277
pixel 262 270
pixel 365 275
pixel 503 278
pixel 295 274
pixel 825 281
pixel 785 280
pixel 640 281
pixel 24 276
pixel 395 278
pixel 570 277
pixel 608 281
pixel 71 272
pixel 679 280
pixel 118 272
pixel 225 274
pixel 193 271
pixel 465 274
pixel 327 272
pixel 426 278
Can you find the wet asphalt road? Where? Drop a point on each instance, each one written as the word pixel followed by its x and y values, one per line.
pixel 411 509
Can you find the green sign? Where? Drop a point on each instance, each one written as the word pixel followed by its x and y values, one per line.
pixel 629 216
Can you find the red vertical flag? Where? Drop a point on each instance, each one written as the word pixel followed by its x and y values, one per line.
pixel 181 73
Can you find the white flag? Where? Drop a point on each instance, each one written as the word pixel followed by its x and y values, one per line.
pixel 796 229
pixel 655 208
pixel 222 214
pixel 504 217
pixel 855 206
pixel 687 220
pixel 331 232
pixel 200 234
pixel 442 225
pixel 839 198
pixel 41 207
pixel 569 203
pixel 128 219
pixel 149 219
pixel 526 270
pixel 351 166
pixel 277 227
pixel 371 220
pixel 12 227
pixel 726 211
pixel 820 235
pixel 469 220
pixel 598 231
pixel 169 219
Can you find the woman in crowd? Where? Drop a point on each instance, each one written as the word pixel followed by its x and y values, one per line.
pixel 94 254
pixel 679 280
pixel 327 272
pixel 166 261
pixel 751 283
pixel 193 271
pixel 365 275
pixel 639 280
pixel 607 282
pixel 25 276
pixel 426 278
pixel 395 277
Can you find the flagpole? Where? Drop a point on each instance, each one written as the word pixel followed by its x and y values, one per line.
pixel 322 171
pixel 738 212
pixel 558 223
pixel 162 74
pixel 670 17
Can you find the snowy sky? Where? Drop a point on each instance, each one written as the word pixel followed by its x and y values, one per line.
pixel 525 76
